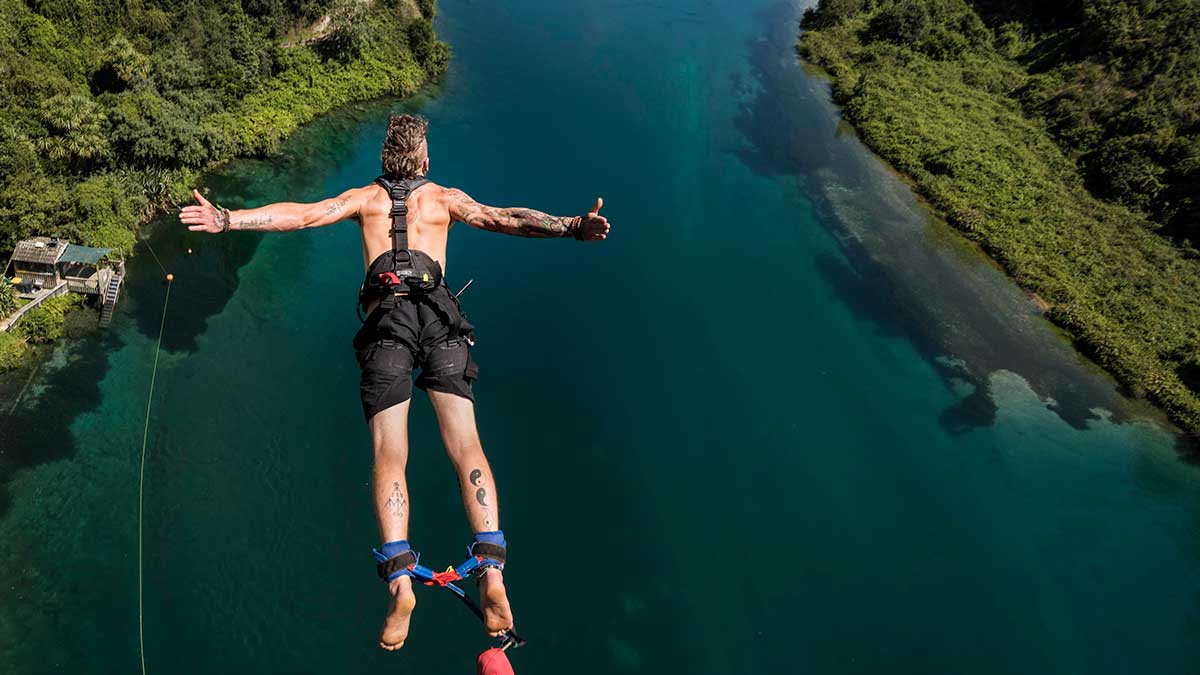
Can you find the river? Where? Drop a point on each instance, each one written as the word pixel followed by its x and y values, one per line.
pixel 783 420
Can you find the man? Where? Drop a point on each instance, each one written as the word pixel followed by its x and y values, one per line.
pixel 413 321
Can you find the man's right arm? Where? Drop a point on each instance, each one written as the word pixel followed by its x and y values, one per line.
pixel 523 222
pixel 280 217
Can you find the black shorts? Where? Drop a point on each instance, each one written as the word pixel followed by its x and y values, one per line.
pixel 417 332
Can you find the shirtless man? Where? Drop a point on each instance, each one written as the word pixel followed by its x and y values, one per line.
pixel 413 321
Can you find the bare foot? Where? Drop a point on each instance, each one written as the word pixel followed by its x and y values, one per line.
pixel 395 626
pixel 497 615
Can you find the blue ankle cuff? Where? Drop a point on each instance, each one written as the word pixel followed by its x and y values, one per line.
pixel 495 537
pixel 391 550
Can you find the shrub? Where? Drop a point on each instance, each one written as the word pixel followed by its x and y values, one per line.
pixel 44 323
pixel 8 299
pixel 12 351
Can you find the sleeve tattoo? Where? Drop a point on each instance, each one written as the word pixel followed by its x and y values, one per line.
pixel 517 221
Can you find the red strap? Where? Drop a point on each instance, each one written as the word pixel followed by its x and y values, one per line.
pixel 443 578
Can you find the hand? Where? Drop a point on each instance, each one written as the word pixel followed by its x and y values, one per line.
pixel 205 217
pixel 593 226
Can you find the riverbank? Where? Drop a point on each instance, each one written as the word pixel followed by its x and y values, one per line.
pixel 1126 296
pixel 117 130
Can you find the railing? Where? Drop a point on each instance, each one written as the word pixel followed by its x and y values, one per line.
pixel 90 286
pixel 110 298
pixel 12 319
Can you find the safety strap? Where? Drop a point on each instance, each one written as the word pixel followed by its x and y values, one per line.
pixel 443 304
pixel 400 191
pixel 403 563
pixel 491 553
pixel 483 555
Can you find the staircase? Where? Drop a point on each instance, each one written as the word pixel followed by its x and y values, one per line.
pixel 110 299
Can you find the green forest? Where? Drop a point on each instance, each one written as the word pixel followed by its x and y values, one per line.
pixel 1065 139
pixel 109 108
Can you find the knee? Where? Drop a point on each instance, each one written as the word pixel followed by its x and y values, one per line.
pixel 467 451
pixel 391 452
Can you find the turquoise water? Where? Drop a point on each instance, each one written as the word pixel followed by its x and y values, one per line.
pixel 781 421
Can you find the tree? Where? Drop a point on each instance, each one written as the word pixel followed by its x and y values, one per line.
pixel 830 13
pixel 76 125
pixel 421 40
pixel 123 67
pixel 905 22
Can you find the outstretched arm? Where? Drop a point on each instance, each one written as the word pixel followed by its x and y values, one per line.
pixel 524 222
pixel 281 217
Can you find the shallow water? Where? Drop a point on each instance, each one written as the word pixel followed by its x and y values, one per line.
pixel 782 421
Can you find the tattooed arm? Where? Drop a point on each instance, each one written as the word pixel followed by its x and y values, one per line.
pixel 524 222
pixel 281 217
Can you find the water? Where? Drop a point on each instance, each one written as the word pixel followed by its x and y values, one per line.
pixel 781 421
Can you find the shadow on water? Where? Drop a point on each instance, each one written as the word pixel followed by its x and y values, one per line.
pixel 64 391
pixel 904 272
pixel 866 291
pixel 64 382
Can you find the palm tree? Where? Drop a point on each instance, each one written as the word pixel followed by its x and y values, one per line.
pixel 76 124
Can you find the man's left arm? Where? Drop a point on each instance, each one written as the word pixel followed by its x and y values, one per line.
pixel 524 222
pixel 281 217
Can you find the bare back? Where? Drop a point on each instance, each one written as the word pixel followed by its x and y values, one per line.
pixel 428 222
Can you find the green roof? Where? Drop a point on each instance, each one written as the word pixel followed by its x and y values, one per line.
pixel 83 254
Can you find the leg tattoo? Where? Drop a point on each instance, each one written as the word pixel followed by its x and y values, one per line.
pixel 395 504
pixel 481 496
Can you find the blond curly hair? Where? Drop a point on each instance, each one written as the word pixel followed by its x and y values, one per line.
pixel 404 149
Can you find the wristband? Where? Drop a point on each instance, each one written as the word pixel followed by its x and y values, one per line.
pixel 575 229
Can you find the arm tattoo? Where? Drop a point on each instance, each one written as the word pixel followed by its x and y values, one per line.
pixel 474 477
pixel 251 222
pixel 395 504
pixel 336 207
pixel 521 222
pixel 481 497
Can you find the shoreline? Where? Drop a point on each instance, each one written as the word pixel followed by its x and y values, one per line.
pixel 879 115
pixel 331 85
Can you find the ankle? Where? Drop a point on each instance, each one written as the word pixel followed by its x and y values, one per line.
pixel 400 585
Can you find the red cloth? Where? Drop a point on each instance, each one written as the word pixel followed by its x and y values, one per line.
pixel 494 662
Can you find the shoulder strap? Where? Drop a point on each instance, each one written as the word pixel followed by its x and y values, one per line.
pixel 399 191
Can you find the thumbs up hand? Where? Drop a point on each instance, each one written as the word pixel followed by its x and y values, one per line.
pixel 593 226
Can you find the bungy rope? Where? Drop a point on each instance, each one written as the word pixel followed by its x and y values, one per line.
pixel 142 472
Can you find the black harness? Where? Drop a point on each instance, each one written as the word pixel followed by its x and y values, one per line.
pixel 407 273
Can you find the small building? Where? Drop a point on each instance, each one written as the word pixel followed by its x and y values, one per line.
pixel 45 266
pixel 34 264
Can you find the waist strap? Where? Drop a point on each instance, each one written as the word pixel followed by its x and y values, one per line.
pixel 441 301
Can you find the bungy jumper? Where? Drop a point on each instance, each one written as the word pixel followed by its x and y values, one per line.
pixel 401 274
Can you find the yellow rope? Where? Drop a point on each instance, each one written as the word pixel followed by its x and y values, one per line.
pixel 146 241
pixel 142 475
